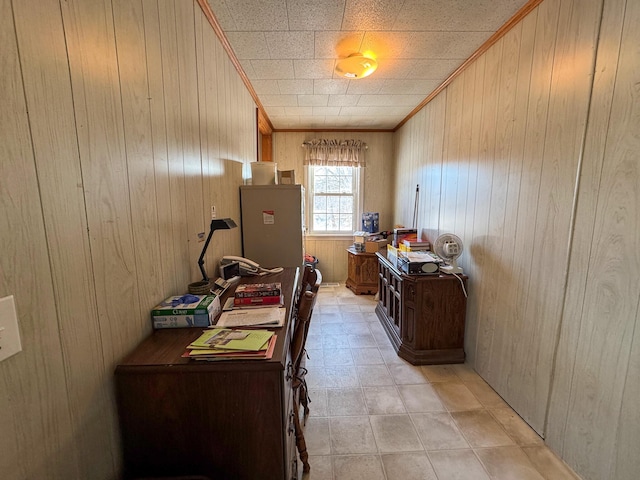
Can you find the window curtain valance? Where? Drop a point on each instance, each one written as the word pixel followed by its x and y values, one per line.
pixel 334 153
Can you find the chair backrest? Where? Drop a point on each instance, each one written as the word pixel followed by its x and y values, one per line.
pixel 303 316
pixel 311 279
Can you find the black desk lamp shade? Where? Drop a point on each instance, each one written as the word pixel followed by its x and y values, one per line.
pixel 216 224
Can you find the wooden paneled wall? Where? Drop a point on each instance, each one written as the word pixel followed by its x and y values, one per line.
pixel 378 183
pixel 532 157
pixel 123 123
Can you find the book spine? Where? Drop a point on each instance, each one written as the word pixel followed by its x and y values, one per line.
pixel 257 293
pixel 271 300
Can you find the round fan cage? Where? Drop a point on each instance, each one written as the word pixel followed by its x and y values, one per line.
pixel 449 247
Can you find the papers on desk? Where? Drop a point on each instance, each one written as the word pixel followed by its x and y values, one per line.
pixel 263 317
pixel 226 344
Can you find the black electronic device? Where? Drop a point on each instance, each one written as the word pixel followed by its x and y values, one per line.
pixel 418 263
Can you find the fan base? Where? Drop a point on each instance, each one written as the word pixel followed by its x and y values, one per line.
pixel 451 269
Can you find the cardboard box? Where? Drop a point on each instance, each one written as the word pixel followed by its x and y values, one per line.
pixel 175 313
pixel 372 246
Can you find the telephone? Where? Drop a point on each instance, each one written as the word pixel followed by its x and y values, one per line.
pixel 246 267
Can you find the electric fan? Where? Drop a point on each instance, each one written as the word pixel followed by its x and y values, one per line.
pixel 448 247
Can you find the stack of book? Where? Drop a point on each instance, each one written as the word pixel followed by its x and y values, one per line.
pixel 227 344
pixel 414 245
pixel 258 295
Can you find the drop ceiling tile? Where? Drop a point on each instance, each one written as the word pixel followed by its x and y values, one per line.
pixel 290 44
pixel 370 14
pixel 222 14
pixel 266 87
pixel 446 45
pixel 431 68
pixel 391 68
pixel 456 15
pixel 338 121
pixel 337 44
pixel 272 69
pixel 408 86
pixel 313 100
pixel 248 45
pixel 312 121
pixel 296 86
pixel 249 15
pixel 389 100
pixel 275 111
pixel 298 110
pixel 279 100
pixel 343 100
pixel 390 111
pixel 368 85
pixel 315 15
pixel 326 111
pixel 248 69
pixel 354 111
pixel 330 86
pixel 313 68
pixel 385 44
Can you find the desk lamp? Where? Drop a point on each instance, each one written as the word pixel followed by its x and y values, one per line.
pixel 216 224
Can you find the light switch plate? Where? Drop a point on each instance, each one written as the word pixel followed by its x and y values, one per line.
pixel 9 332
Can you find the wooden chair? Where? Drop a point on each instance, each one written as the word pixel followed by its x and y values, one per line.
pixel 303 316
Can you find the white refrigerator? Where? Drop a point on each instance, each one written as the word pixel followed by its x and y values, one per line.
pixel 272 222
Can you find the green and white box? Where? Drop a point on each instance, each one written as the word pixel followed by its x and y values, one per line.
pixel 185 311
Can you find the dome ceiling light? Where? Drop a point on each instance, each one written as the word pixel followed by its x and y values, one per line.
pixel 356 66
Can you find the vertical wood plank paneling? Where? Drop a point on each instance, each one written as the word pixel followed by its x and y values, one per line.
pixel 98 110
pixel 56 154
pixel 591 170
pixel 602 422
pixel 155 77
pixel 175 141
pixel 450 155
pixel 480 243
pixel 28 425
pixel 130 43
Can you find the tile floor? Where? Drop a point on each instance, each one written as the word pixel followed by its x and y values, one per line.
pixel 376 417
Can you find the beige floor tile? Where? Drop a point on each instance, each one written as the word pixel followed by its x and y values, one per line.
pixel 356 328
pixel 321 468
pixel 367 356
pixel 346 299
pixel 345 401
pixel 481 429
pixel 548 464
pixel 381 339
pixel 485 394
pixel 457 465
pixel 346 307
pixel 440 373
pixel 406 374
pixel 438 431
pixel 374 375
pixel 361 341
pixel 314 341
pixel 356 467
pixel 315 357
pixel 334 341
pixel 408 466
pixel 318 402
pixel 420 398
pixel 340 376
pixel 326 328
pixel 517 428
pixel 507 463
pixel 316 435
pixel 371 317
pixel 456 396
pixel 337 356
pixel 465 372
pixel 395 433
pixel 351 435
pixel 383 400
pixel 390 356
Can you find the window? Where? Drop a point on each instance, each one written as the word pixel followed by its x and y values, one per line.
pixel 333 199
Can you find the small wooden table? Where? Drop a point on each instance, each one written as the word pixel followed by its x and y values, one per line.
pixel 362 272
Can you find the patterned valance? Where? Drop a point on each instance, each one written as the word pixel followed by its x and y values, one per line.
pixel 340 153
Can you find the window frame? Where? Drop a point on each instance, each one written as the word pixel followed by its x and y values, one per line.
pixel 358 183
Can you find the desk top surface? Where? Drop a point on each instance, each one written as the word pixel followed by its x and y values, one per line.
pixel 164 347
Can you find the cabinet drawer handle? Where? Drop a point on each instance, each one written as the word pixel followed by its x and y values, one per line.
pixel 292 427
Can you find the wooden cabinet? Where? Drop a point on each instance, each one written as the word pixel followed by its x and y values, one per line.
pixel 225 420
pixel 362 272
pixel 423 315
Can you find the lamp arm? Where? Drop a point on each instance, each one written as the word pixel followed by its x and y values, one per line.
pixel 204 250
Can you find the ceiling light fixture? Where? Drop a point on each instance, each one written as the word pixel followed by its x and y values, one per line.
pixel 356 66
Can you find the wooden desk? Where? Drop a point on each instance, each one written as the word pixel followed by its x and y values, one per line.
pixel 423 315
pixel 225 420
